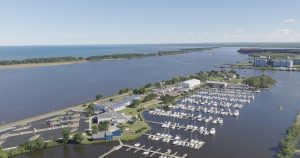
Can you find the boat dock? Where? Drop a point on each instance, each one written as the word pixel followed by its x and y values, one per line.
pixel 146 151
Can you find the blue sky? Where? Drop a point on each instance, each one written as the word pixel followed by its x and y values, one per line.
pixel 52 22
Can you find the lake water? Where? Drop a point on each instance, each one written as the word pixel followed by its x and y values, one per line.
pixel 255 133
pixel 46 89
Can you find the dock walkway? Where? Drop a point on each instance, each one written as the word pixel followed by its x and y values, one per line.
pixel 141 148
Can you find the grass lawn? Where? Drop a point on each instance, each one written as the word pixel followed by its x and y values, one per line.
pixel 131 130
pixel 235 81
pixel 296 66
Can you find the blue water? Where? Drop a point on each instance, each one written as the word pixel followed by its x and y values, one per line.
pixel 23 52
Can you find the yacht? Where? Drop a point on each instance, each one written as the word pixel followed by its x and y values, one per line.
pixel 212 131
pixel 137 145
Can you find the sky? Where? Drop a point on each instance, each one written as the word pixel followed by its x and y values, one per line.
pixel 68 22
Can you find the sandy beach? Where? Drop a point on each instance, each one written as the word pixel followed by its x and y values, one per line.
pixel 18 66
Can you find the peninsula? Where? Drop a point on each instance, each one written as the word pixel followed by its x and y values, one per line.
pixel 54 61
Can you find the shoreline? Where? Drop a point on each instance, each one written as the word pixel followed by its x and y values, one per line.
pixel 57 61
pixel 56 112
pixel 19 66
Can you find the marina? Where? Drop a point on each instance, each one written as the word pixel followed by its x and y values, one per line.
pixel 265 110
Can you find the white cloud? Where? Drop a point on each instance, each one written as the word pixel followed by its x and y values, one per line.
pixel 238 31
pixel 283 32
pixel 289 20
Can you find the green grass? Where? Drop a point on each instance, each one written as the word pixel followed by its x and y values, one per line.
pixel 296 66
pixel 215 79
pixel 235 81
pixel 130 130
pixel 130 111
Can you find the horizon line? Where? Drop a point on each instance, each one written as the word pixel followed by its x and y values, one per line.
pixel 175 43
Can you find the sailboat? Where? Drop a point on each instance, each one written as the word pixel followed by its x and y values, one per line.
pixel 281 108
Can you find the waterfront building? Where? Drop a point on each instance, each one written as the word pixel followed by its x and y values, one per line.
pixel 261 62
pixel 99 108
pixel 113 117
pixel 190 84
pixel 296 61
pixel 125 102
pixel 216 84
pixel 282 63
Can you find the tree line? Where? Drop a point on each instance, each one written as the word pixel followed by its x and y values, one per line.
pixel 98 57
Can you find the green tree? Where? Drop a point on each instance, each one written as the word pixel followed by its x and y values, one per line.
pixel 167 99
pixel 135 103
pixel 94 129
pixel 125 90
pixel 157 85
pixel 149 97
pixel 148 85
pixel 89 109
pixel 66 135
pixel 103 126
pixel 139 91
pixel 98 96
pixel 39 143
pixel 78 138
pixel 3 154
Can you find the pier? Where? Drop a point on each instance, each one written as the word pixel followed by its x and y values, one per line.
pixel 145 150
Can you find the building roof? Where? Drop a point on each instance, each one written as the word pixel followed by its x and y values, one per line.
pixel 101 134
pixel 110 115
pixel 216 82
pixel 125 101
pixel 99 107
pixel 191 81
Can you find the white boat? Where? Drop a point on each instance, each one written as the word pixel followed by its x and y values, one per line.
pixel 236 113
pixel 212 131
pixel 145 152
pixel 177 137
pixel 137 145
pixel 220 120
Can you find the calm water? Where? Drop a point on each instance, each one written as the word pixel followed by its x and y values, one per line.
pixel 255 133
pixel 50 88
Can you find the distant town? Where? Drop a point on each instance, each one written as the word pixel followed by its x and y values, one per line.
pixel 271 59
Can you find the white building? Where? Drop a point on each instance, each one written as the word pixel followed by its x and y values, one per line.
pixel 282 63
pixel 190 84
pixel 125 102
pixel 216 84
pixel 261 62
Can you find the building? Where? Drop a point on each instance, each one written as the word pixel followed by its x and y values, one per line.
pixel 114 117
pixel 216 84
pixel 282 63
pixel 296 61
pixel 98 109
pixel 190 84
pixel 125 102
pixel 107 135
pixel 260 62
